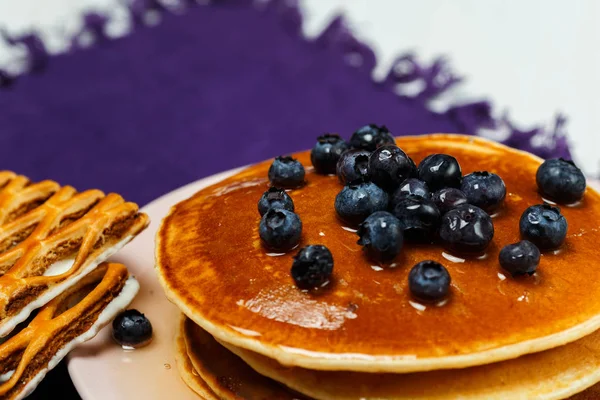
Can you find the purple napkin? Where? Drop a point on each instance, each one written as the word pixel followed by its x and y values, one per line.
pixel 208 89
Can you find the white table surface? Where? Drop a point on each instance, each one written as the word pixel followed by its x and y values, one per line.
pixel 533 58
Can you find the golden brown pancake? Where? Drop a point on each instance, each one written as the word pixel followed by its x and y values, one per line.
pixel 212 265
pixel 188 374
pixel 552 374
pixel 224 373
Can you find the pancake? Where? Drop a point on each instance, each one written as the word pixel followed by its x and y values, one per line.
pixel 187 372
pixel 212 265
pixel 224 373
pixel 552 374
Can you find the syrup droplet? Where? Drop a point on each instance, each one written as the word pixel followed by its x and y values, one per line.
pixel 417 306
pixel 441 303
pixel 452 258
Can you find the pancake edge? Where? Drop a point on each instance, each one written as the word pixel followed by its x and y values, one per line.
pixel 254 361
pixel 185 368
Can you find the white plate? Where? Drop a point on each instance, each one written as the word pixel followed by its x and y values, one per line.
pixel 102 370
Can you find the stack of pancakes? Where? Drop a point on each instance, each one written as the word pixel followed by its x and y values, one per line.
pixel 248 332
pixel 55 289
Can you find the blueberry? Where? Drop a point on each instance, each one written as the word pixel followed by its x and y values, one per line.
pixel 312 267
pixel 359 200
pixel 544 225
pixel 561 181
pixel 286 172
pixel 371 137
pixel 411 186
pixel 466 229
pixel 448 198
pixel 484 190
pixel 280 229
pixel 275 198
pixel 440 171
pixel 419 217
pixel 381 235
pixel 353 165
pixel 131 328
pixel 389 166
pixel 429 281
pixel 326 153
pixel 520 258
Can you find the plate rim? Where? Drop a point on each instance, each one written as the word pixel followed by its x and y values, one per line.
pixel 77 375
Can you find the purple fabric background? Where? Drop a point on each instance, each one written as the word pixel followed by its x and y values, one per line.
pixel 217 87
pixel 204 91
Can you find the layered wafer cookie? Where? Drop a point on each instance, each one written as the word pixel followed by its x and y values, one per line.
pixel 70 319
pixel 51 237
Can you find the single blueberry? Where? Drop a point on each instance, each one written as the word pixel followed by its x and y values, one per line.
pixel 419 217
pixel 280 229
pixel 381 235
pixel 286 172
pixel 357 201
pixel 131 328
pixel 466 229
pixel 484 190
pixel 389 166
pixel 560 180
pixel 544 225
pixel 448 198
pixel 410 186
pixel 520 258
pixel 312 267
pixel 326 153
pixel 274 198
pixel 440 171
pixel 429 281
pixel 370 137
pixel 353 165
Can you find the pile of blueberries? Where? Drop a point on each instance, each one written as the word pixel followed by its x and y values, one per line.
pixel 390 200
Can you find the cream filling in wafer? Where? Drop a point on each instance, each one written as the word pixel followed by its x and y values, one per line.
pixel 60 267
pixel 5 377
pixel 118 304
pixel 9 324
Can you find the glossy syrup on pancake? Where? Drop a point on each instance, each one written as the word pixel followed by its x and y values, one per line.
pixel 212 264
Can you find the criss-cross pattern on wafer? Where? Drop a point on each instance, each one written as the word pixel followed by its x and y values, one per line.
pixel 27 355
pixel 41 224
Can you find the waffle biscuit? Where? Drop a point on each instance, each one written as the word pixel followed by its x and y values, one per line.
pixel 70 319
pixel 50 237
